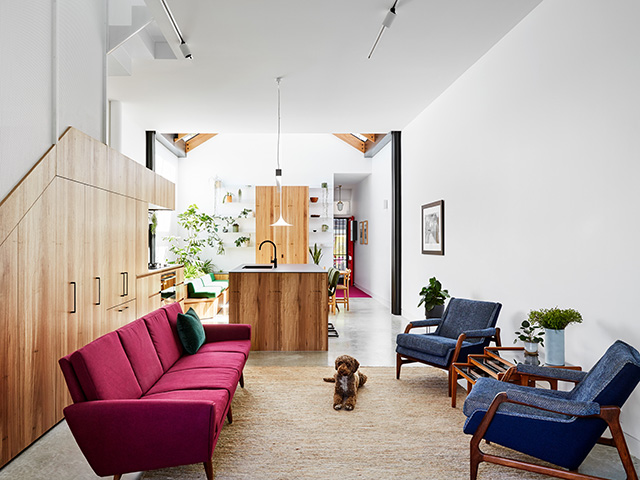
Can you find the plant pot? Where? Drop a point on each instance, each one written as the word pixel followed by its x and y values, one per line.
pixel 325 228
pixel 531 347
pixel 228 199
pixel 554 346
pixel 435 312
pixel 236 228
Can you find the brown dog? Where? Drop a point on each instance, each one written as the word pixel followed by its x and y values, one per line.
pixel 347 380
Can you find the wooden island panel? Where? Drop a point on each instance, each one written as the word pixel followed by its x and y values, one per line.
pixel 287 311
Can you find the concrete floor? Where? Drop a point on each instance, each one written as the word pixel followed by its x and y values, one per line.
pixel 367 332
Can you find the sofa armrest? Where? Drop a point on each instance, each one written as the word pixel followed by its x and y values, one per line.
pixel 120 436
pixel 222 332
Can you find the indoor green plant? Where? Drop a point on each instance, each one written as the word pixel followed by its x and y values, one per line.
pixel 316 253
pixel 242 241
pixel 531 334
pixel 554 321
pixel 433 297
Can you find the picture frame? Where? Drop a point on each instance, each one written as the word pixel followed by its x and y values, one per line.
pixel 366 232
pixel 361 233
pixel 433 228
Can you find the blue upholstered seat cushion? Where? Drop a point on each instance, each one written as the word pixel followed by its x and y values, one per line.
pixel 431 343
pixel 463 315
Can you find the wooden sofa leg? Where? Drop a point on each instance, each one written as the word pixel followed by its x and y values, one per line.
pixel 230 416
pixel 242 380
pixel 208 468
pixel 117 477
pixel 398 365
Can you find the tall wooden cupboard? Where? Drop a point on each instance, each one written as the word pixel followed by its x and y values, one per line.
pixel 292 242
pixel 72 242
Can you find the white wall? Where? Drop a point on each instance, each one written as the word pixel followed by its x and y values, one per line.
pixel 306 159
pixel 535 151
pixel 373 260
pixel 39 96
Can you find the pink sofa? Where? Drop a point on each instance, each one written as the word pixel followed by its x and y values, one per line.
pixel 141 403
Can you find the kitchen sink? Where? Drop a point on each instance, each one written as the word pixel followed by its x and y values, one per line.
pixel 251 267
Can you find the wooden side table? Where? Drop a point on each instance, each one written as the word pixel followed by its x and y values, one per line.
pixel 494 364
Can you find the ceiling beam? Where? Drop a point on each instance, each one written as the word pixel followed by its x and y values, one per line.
pixel 199 139
pixel 352 140
pixel 372 139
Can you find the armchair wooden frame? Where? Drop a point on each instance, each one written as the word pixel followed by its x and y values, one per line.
pixel 402 359
pixel 610 414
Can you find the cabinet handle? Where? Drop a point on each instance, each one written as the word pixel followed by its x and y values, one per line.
pixel 123 309
pixel 99 290
pixel 127 277
pixel 75 288
pixel 123 284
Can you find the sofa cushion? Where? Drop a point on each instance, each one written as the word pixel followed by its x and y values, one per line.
pixel 239 346
pixel 435 345
pixel 210 359
pixel 167 345
pixel 212 378
pixel 141 353
pixel 104 371
pixel 219 397
pixel 206 292
pixel 172 310
pixel 190 331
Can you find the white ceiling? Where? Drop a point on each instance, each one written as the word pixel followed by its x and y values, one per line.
pixel 320 49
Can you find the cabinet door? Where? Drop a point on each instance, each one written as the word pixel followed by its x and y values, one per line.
pixel 121 315
pixel 71 285
pixel 291 242
pixel 142 237
pixel 97 267
pixel 11 416
pixel 40 330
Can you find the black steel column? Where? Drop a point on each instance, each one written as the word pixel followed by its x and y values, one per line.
pixel 151 149
pixel 150 140
pixel 396 225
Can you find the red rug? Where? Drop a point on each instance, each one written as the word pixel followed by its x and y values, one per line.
pixel 355 292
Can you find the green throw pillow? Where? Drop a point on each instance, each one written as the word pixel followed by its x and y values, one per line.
pixel 190 331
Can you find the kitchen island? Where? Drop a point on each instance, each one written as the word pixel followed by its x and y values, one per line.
pixel 287 306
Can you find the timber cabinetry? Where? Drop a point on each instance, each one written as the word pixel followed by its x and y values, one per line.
pixel 292 242
pixel 121 315
pixel 69 231
pixel 287 308
pixel 154 287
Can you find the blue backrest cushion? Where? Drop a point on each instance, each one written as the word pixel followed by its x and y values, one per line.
pixel 612 378
pixel 463 315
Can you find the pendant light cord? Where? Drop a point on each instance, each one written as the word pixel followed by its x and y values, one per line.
pixel 278 146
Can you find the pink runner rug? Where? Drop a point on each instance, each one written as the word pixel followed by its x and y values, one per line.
pixel 355 292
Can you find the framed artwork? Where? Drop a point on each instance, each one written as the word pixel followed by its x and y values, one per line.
pixel 366 232
pixel 361 233
pixel 433 228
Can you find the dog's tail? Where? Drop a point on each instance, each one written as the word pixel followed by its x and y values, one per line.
pixel 330 379
pixel 363 379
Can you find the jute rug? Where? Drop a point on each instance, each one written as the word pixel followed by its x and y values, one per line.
pixel 284 427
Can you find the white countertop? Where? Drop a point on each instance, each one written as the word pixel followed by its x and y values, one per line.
pixel 282 268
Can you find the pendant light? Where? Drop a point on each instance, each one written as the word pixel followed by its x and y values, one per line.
pixel 340 205
pixel 281 221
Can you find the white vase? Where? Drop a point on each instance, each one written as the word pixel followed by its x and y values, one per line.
pixel 554 343
pixel 531 347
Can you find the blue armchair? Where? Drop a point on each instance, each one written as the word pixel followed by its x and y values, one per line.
pixel 554 426
pixel 467 326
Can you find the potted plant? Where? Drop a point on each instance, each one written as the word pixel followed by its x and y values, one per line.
pixel 228 197
pixel 235 227
pixel 316 254
pixel 242 241
pixel 433 297
pixel 554 321
pixel 531 335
